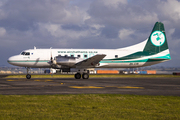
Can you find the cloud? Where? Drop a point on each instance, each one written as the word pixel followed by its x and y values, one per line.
pixel 170 9
pixel 23 14
pixel 113 3
pixel 124 15
pixel 125 33
pixel 2 31
pixel 85 24
pixel 57 31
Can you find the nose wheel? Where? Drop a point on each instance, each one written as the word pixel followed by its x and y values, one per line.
pixel 28 76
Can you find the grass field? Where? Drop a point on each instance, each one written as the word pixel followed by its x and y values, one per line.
pixel 91 76
pixel 89 107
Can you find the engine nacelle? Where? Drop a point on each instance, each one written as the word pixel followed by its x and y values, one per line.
pixel 66 60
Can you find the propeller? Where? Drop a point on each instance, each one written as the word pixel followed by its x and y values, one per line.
pixel 51 58
pixel 53 61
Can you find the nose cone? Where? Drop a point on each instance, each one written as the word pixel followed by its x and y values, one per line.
pixel 10 60
pixel 13 60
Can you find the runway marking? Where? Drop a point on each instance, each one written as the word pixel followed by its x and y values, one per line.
pixel 82 87
pixel 36 80
pixel 31 80
pixel 130 87
pixel 15 80
pixel 43 80
pixel 11 80
pixel 123 87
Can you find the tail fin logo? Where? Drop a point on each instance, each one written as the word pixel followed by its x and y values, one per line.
pixel 157 38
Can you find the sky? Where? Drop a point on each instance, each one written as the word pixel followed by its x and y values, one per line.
pixel 101 24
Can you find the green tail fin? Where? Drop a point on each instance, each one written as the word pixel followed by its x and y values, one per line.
pixel 157 41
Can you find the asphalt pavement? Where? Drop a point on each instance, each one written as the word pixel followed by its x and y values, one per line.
pixel 46 86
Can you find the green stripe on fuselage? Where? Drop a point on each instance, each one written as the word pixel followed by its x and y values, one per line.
pixel 153 59
pixel 140 55
pixel 134 61
pixel 133 56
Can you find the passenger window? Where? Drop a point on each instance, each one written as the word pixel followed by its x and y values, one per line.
pixel 79 56
pixel 116 56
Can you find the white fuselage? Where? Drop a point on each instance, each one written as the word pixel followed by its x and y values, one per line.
pixel 40 58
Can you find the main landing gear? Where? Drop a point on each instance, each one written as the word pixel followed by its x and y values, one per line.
pixel 84 75
pixel 28 76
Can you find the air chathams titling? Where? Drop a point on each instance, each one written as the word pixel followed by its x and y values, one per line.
pixel 152 51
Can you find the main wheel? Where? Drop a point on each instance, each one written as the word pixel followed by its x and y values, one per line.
pixel 77 75
pixel 85 76
pixel 28 76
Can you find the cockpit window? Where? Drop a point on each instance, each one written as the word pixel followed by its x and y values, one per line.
pixel 25 53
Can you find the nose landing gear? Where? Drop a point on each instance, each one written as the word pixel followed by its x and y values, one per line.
pixel 28 76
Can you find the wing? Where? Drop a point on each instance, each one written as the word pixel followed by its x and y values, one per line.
pixel 91 62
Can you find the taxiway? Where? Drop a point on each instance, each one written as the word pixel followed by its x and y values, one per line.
pixel 136 86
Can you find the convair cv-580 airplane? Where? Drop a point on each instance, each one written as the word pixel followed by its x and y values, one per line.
pixel 149 52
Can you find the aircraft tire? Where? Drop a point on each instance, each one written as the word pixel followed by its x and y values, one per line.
pixel 85 76
pixel 77 76
pixel 28 76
